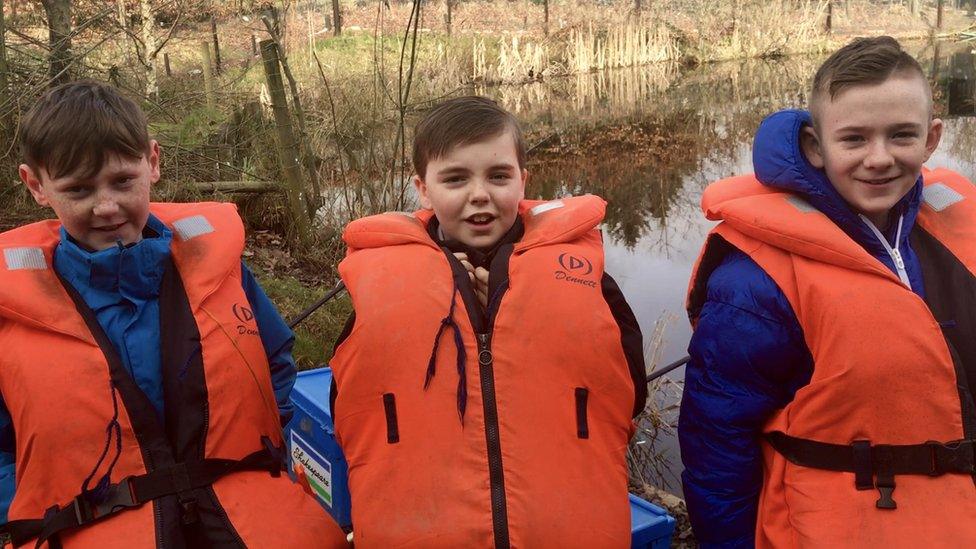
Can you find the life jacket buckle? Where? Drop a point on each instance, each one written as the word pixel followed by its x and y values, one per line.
pixel 950 457
pixel 118 496
pixel 886 501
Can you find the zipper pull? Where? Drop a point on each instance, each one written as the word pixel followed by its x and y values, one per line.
pixel 896 255
pixel 485 357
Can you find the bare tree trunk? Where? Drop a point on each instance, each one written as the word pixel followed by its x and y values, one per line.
pixel 336 19
pixel 829 24
pixel 637 7
pixel 448 19
pixel 545 14
pixel 939 14
pixel 288 151
pixel 4 107
pixel 59 39
pixel 123 16
pixel 149 43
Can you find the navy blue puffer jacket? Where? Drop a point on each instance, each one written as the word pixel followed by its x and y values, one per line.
pixel 748 354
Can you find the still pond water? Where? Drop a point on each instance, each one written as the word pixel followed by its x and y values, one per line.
pixel 649 140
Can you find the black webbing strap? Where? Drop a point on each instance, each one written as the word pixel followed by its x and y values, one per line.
pixel 134 491
pixel 880 461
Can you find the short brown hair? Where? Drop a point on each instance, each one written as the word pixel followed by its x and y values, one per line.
pixel 862 62
pixel 73 127
pixel 462 121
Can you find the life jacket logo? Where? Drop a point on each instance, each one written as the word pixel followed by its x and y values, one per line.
pixel 246 316
pixel 574 269
pixel 573 263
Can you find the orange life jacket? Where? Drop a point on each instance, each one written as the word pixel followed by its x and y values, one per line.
pixel 538 458
pixel 884 372
pixel 79 416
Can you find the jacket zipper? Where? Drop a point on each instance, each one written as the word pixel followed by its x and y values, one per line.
pixel 895 253
pixel 483 324
pixel 496 476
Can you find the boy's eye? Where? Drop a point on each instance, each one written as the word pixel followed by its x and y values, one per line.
pixel 453 179
pixel 852 139
pixel 124 181
pixel 905 135
pixel 76 191
pixel 499 177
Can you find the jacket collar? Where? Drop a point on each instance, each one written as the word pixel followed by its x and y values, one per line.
pixel 108 276
pixel 780 163
pixel 478 258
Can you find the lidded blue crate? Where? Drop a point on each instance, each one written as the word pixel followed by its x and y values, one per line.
pixel 312 445
pixel 651 527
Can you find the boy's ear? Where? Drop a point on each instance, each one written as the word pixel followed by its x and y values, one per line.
pixel 33 181
pixel 525 180
pixel 933 137
pixel 810 145
pixel 153 159
pixel 422 193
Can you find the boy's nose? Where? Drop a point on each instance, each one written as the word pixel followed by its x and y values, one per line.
pixel 479 191
pixel 878 156
pixel 106 207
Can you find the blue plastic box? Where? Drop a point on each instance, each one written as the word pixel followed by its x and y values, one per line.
pixel 312 444
pixel 651 527
pixel 311 441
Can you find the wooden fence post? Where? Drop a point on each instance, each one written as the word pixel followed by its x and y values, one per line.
pixel 336 19
pixel 254 45
pixel 216 42
pixel 829 24
pixel 939 13
pixel 288 150
pixel 208 86
pixel 169 72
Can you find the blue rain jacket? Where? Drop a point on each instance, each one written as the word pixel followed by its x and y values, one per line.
pixel 121 285
pixel 748 354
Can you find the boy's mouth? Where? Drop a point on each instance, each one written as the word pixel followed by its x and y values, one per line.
pixel 879 181
pixel 109 228
pixel 480 219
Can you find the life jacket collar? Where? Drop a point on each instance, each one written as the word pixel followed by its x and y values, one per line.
pixel 546 222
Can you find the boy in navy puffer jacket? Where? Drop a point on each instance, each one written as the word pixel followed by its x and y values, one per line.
pixel 783 437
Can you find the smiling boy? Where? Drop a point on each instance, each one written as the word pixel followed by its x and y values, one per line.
pixel 480 399
pixel 139 407
pixel 829 397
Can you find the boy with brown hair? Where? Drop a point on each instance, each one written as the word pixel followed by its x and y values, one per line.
pixel 829 398
pixel 484 390
pixel 145 374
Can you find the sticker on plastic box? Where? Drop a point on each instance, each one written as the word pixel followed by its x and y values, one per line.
pixel 318 470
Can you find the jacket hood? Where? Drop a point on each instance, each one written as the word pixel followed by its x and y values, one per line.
pixel 779 163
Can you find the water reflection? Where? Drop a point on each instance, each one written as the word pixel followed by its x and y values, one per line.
pixel 649 141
